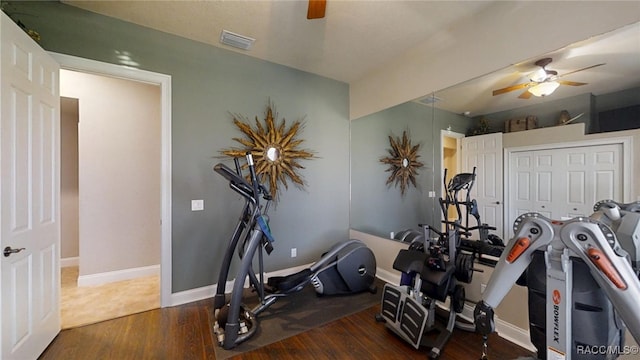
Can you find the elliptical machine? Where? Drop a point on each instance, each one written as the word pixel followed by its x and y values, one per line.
pixel 348 267
pixel 432 270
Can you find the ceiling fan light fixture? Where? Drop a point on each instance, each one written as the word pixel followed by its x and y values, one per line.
pixel 544 89
pixel 236 40
pixel 538 76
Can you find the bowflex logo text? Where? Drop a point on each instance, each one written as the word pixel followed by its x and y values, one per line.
pixel 556 315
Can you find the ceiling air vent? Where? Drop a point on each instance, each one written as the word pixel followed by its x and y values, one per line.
pixel 236 40
pixel 429 100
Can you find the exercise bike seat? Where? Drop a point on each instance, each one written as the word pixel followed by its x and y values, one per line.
pixel 410 261
pixel 438 284
pixel 435 283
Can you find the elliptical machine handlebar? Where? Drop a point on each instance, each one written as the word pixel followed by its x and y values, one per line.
pixel 251 192
pixel 258 188
pixel 236 182
pixel 254 179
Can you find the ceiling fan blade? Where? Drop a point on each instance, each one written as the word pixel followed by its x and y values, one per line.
pixel 525 95
pixel 575 71
pixel 512 88
pixel 316 9
pixel 570 83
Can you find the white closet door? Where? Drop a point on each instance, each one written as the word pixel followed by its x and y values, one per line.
pixel 593 174
pixel 564 182
pixel 545 182
pixel 521 184
pixel 531 184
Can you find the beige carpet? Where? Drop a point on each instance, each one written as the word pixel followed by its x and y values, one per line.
pixel 91 304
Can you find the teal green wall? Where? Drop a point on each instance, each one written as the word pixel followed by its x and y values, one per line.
pixel 377 208
pixel 207 84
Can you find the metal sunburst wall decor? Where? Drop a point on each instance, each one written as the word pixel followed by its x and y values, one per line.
pixel 403 162
pixel 275 149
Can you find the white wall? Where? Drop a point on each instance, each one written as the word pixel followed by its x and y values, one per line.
pixel 119 172
pixel 69 178
pixel 505 33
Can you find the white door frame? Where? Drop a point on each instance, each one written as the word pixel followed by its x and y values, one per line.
pixel 627 164
pixel 451 134
pixel 443 188
pixel 164 81
pixel 448 133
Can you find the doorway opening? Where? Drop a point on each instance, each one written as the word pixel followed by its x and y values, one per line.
pixel 450 157
pixel 115 188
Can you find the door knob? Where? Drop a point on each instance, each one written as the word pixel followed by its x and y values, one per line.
pixel 8 251
pixel 497 202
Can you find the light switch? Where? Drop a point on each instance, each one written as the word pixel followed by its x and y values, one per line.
pixel 197 205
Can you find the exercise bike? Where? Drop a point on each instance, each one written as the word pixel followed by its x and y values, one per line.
pixel 433 270
pixel 346 268
pixel 582 279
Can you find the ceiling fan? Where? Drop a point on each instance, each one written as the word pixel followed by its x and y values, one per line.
pixel 544 81
pixel 316 9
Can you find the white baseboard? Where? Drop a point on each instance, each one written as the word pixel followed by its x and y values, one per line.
pixel 205 292
pixel 504 329
pixel 70 261
pixel 514 334
pixel 118 275
pixel 197 294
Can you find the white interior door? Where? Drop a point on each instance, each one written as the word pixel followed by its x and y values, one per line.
pixel 29 127
pixel 485 153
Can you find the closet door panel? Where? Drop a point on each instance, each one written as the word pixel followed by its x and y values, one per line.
pixel 521 182
pixel 545 182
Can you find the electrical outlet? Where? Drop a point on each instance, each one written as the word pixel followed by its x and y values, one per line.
pixel 294 252
pixel 432 194
pixel 197 205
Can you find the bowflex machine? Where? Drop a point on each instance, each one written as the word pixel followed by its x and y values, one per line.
pixel 582 277
pixel 433 269
pixel 347 267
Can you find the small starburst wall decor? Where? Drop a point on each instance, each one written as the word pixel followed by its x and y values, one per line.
pixel 275 149
pixel 403 162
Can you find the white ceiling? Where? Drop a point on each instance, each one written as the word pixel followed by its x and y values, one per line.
pixel 356 37
pixel 619 50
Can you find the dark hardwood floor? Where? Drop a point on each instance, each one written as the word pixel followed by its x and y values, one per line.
pixel 359 336
pixel 184 332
